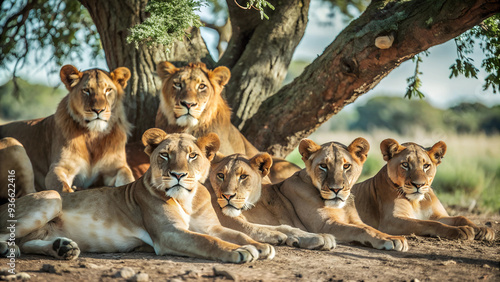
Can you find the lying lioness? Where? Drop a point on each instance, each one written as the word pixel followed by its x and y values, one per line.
pixel 167 209
pixel 315 199
pixel 236 185
pixel 399 198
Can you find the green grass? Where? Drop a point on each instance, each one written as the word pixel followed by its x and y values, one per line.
pixel 468 177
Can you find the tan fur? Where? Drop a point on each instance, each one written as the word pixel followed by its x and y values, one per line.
pixel 197 87
pixel 16 172
pixel 83 143
pixel 320 194
pixel 263 213
pixel 399 198
pixel 167 209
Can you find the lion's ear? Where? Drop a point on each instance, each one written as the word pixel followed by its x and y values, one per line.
pixel 390 147
pixel 359 149
pixel 121 75
pixel 221 75
pixel 262 162
pixel 436 152
pixel 209 145
pixel 152 138
pixel 165 69
pixel 307 147
pixel 70 76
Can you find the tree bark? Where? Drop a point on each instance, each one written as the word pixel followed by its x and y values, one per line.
pixel 260 52
pixel 352 65
pixel 113 18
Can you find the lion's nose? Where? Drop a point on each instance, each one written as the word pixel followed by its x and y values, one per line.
pixel 188 105
pixel 98 111
pixel 336 190
pixel 228 196
pixel 417 185
pixel 178 175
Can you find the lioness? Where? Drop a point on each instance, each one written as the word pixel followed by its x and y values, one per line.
pixel 191 102
pixel 243 203
pixel 83 143
pixel 320 194
pixel 16 172
pixel 399 198
pixel 167 209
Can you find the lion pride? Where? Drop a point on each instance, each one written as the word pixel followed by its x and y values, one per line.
pixel 399 198
pixel 167 210
pixel 191 102
pixel 83 143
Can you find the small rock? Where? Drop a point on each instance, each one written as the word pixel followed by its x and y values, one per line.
pixel 139 277
pixel 90 265
pixel 486 266
pixel 298 275
pixel 488 224
pixel 49 268
pixel 415 280
pixel 448 262
pixel 225 273
pixel 125 273
pixel 23 276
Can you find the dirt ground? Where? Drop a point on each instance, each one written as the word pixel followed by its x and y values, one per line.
pixel 428 259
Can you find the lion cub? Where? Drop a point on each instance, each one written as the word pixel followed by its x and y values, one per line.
pixel 167 209
pixel 399 198
pixel 320 194
pixel 243 203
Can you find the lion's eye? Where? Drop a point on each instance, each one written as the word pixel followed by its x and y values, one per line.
pixel 220 176
pixel 347 166
pixel 177 85
pixel 243 176
pixel 427 166
pixel 202 87
pixel 193 156
pixel 164 156
pixel 108 91
pixel 323 167
pixel 86 91
pixel 405 165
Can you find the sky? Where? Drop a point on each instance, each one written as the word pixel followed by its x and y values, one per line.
pixel 440 91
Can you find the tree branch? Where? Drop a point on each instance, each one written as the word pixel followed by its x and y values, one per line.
pixel 352 65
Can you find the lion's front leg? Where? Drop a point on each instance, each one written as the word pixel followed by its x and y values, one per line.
pixel 302 239
pixel 266 251
pixel 481 233
pixel 364 234
pixel 184 242
pixel 61 175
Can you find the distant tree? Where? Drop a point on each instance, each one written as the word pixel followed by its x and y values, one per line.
pixel 258 53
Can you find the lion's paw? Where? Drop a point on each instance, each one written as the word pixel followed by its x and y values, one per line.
pixel 266 251
pixel 5 250
pixel 484 233
pixel 273 237
pixel 246 253
pixel 311 241
pixel 399 243
pixel 65 248
pixel 462 233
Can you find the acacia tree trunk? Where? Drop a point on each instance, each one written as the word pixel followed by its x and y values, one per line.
pixel 352 65
pixel 113 18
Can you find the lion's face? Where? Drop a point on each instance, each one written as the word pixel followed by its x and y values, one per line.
pixel 187 91
pixel 178 161
pixel 237 181
pixel 411 167
pixel 334 168
pixel 93 95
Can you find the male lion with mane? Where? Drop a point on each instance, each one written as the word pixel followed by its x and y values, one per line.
pixel 83 143
pixel 191 102
pixel 167 209
pixel 399 198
